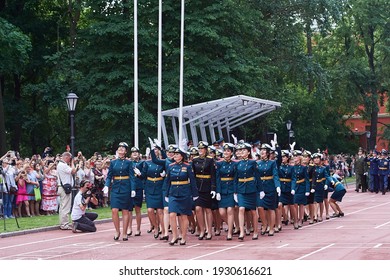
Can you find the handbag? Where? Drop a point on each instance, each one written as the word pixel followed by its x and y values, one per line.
pixel 67 188
pixel 37 194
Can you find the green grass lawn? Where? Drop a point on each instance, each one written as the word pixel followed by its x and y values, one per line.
pixel 26 223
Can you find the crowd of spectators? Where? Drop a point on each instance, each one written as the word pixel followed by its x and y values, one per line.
pixel 28 186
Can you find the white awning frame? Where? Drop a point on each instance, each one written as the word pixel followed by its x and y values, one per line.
pixel 226 113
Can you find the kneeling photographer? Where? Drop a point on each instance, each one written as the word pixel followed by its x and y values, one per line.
pixel 83 221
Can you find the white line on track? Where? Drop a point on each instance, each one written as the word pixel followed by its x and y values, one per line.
pixel 150 245
pixel 282 246
pixel 339 227
pixel 382 225
pixel 378 245
pixel 216 252
pixel 316 251
pixel 195 245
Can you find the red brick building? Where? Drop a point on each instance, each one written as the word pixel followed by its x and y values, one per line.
pixel 360 127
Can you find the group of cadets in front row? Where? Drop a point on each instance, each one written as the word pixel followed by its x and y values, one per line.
pixel 244 187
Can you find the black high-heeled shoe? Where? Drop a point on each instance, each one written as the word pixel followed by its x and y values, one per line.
pixel 166 237
pixel 236 232
pixel 209 237
pixel 217 233
pixel 156 235
pixel 150 230
pixel 228 238
pixel 138 234
pixel 183 242
pixel 116 237
pixel 255 237
pixel 200 237
pixel 241 237
pixel 129 234
pixel 125 239
pixel 173 242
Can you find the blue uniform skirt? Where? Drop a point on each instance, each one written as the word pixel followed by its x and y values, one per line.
pixel 319 194
pixel 204 200
pixel 154 201
pixel 180 205
pixel 247 200
pixel 286 198
pixel 121 200
pixel 338 195
pixel 137 200
pixel 269 201
pixel 227 200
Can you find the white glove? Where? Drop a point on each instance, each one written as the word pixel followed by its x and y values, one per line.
pixel 147 152
pixel 132 193
pixel 365 173
pixel 235 197
pixel 213 194
pixel 292 192
pixel 152 145
pixel 292 146
pixel 167 199
pixel 218 197
pixel 273 145
pixel 195 198
pixel 307 193
pixel 278 190
pixel 312 190
pixel 105 190
pixel 162 174
pixel 136 171
pixel 235 139
pixel 262 194
pixel 157 142
pixel 275 138
pixel 325 187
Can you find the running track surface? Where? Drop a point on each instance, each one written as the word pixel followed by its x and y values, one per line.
pixel 362 234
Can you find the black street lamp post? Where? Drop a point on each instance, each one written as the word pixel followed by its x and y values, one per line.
pixel 71 101
pixel 288 125
pixel 368 134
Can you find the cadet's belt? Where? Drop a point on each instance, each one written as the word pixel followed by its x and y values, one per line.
pixel 244 180
pixel 227 179
pixel 155 179
pixel 267 178
pixel 383 168
pixel 337 183
pixel 300 181
pixel 284 180
pixel 121 177
pixel 203 176
pixel 320 180
pixel 175 183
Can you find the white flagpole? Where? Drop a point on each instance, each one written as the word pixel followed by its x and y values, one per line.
pixel 135 74
pixel 159 117
pixel 181 74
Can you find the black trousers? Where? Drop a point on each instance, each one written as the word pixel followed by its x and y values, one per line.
pixel 85 223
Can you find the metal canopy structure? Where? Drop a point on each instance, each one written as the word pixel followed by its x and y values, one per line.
pixel 217 115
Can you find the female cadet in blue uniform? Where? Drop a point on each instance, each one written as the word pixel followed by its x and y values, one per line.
pixel 225 174
pixel 137 165
pixel 338 193
pixel 153 174
pixel 182 190
pixel 269 190
pixel 308 161
pixel 204 169
pixel 247 188
pixel 383 171
pixel 320 175
pixel 118 180
pixel 301 186
pixel 286 200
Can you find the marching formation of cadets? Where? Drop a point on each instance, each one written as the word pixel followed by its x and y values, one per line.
pixel 238 190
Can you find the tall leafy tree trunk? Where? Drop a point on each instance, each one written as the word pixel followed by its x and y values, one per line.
pixel 74 10
pixel 3 144
pixel 17 129
pixel 309 49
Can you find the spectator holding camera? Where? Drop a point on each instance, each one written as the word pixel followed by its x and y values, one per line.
pixel 65 172
pixel 83 221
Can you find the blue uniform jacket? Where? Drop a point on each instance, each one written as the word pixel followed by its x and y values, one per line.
pixel 334 184
pixel 373 164
pixel 246 170
pixel 136 180
pixel 153 180
pixel 120 167
pixel 287 177
pixel 226 176
pixel 320 176
pixel 268 175
pixel 383 167
pixel 302 183
pixel 181 180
